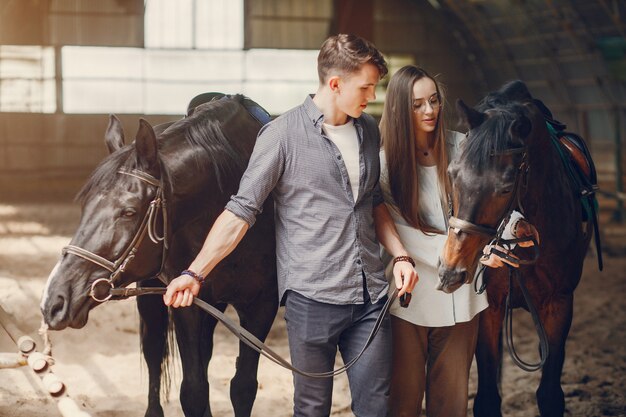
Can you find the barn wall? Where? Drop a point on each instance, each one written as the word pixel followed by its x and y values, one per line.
pixel 72 22
pixel 49 156
pixel 474 46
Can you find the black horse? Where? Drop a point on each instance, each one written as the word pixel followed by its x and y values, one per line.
pixel 146 210
pixel 509 162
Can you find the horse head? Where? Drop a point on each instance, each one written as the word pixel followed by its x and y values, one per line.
pixel 485 178
pixel 120 235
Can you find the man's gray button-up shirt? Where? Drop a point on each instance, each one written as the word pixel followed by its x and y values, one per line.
pixel 325 241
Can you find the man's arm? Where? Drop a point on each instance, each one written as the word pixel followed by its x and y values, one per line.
pixel 263 172
pixel 403 272
pixel 223 238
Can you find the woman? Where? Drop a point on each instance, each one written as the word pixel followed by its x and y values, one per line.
pixel 434 338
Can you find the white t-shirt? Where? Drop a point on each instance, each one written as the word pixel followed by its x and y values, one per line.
pixel 347 141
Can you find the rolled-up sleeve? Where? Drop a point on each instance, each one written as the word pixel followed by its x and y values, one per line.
pixel 264 170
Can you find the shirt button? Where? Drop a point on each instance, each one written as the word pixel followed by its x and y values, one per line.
pixel 339 157
pixel 358 261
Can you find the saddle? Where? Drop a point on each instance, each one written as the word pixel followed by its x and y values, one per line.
pixel 580 169
pixel 255 110
pixel 579 154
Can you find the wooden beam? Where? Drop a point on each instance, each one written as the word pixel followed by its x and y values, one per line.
pixel 355 17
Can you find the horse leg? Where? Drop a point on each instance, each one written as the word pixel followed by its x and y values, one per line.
pixel 489 362
pixel 153 334
pixel 557 319
pixel 257 318
pixel 194 334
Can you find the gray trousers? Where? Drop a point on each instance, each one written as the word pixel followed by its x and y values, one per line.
pixel 434 360
pixel 315 331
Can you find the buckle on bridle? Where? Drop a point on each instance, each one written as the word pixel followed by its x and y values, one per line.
pixel 92 292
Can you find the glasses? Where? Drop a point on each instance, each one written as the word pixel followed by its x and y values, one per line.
pixel 419 104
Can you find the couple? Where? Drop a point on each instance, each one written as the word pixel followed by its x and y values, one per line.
pixel 322 161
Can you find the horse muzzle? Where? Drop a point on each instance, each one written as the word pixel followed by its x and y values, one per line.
pixel 450 279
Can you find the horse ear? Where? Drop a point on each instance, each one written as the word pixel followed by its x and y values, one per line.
pixel 521 127
pixel 114 135
pixel 515 91
pixel 146 145
pixel 470 117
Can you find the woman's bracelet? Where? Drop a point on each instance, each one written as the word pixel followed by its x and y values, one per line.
pixel 404 259
pixel 193 275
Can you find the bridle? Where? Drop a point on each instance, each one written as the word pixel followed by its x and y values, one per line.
pixel 148 227
pixel 459 225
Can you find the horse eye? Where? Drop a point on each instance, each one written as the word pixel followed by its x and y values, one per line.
pixel 129 212
pixel 506 189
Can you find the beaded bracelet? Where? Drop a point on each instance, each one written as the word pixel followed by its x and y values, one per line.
pixel 193 275
pixel 404 259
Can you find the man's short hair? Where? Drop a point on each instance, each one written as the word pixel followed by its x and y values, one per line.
pixel 347 54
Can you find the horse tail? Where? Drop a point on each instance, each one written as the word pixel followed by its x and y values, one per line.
pixel 156 340
pixel 168 359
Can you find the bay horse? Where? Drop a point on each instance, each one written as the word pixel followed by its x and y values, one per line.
pixel 149 206
pixel 508 162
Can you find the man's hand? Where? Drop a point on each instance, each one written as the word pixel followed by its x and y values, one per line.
pixel 180 291
pixel 405 277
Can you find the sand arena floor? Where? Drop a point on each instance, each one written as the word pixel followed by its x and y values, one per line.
pixel 104 372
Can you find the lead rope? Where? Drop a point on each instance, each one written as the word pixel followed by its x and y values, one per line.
pixel 252 341
pixel 544 349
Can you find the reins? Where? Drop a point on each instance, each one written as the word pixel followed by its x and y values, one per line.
pixel 148 227
pixel 460 225
pixel 251 340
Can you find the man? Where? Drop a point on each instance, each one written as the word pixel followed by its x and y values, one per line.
pixel 320 161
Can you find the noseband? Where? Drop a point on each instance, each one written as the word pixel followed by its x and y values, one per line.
pixel 148 226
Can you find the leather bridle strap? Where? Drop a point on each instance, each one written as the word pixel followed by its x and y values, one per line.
pixel 90 256
pixel 460 225
pixel 147 226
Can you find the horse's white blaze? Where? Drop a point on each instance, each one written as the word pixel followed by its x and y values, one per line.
pixel 44 297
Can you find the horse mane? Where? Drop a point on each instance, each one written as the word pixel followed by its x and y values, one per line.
pixel 101 178
pixel 203 129
pixel 493 135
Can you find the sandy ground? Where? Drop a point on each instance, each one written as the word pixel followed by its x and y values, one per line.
pixel 104 372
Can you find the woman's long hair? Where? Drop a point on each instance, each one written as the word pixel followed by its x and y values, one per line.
pixel 398 141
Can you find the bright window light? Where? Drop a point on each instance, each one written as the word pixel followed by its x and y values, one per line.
pixel 27 81
pixel 194 24
pixel 163 81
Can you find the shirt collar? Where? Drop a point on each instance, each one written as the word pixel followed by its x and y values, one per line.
pixel 315 114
